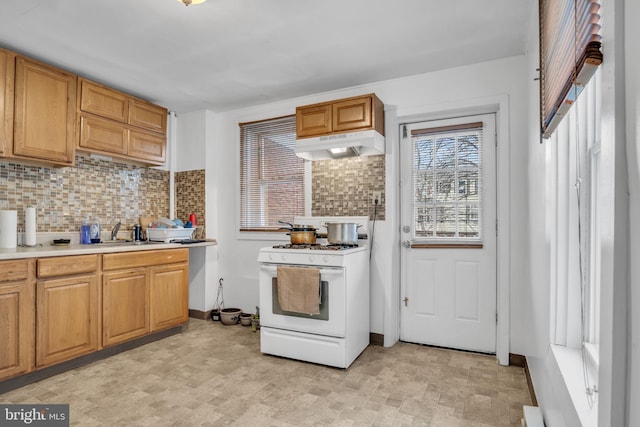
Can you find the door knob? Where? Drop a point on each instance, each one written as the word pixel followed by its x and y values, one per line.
pixel 406 244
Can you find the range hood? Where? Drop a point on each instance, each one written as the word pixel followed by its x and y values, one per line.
pixel 337 146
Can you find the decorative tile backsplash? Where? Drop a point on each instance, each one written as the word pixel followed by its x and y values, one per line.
pixel 115 191
pixel 345 186
pixel 110 190
pixel 190 197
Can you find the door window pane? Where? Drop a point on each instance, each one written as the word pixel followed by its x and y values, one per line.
pixel 446 181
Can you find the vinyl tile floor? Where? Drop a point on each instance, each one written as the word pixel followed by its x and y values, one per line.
pixel 215 375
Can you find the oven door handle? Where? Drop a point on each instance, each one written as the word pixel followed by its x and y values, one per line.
pixel 325 272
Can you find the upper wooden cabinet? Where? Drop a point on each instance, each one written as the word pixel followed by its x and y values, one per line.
pixel 344 115
pixel 44 114
pixel 313 120
pixel 7 78
pixel 117 124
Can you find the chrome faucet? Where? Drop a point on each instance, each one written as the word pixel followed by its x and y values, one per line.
pixel 114 231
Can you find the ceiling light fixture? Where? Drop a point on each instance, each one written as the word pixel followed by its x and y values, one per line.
pixel 188 2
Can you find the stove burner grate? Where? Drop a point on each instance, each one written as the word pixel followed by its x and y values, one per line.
pixel 317 246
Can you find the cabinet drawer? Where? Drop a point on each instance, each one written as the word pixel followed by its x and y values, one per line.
pixel 147 146
pixel 104 102
pixel 122 260
pixel 14 270
pixel 103 135
pixel 67 265
pixel 148 116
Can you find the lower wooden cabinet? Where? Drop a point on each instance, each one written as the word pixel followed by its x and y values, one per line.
pixel 67 306
pixel 125 305
pixel 169 296
pixel 67 324
pixel 143 292
pixel 17 314
pixel 59 308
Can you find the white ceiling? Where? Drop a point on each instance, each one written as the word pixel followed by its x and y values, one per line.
pixel 228 54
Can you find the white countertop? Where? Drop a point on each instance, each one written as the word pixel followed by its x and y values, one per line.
pixel 49 250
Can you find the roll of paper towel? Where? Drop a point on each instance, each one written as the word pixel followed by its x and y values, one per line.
pixel 8 229
pixel 30 226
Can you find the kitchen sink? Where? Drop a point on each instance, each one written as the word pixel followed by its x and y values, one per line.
pixel 125 243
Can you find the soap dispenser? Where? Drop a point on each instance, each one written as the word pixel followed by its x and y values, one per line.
pixel 85 231
pixel 95 230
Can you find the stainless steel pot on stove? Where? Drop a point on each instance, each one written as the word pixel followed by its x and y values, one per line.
pixel 342 233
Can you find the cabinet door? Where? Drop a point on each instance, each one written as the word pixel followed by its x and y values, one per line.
pixel 103 135
pixel 147 146
pixel 125 305
pixel 169 296
pixel 352 114
pixel 103 101
pixel 44 123
pixel 67 318
pixel 7 73
pixel 16 328
pixel 148 116
pixel 313 120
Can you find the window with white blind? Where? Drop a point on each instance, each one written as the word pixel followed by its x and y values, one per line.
pixel 447 183
pixel 271 175
pixel 575 242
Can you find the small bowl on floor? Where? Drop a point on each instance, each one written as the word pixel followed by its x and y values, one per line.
pixel 245 319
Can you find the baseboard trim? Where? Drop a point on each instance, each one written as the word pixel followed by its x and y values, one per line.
pixel 41 374
pixel 376 339
pixel 202 315
pixel 521 361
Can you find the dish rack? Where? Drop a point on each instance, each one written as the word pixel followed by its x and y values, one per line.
pixel 167 235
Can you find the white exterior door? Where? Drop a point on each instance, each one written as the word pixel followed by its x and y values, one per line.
pixel 448 233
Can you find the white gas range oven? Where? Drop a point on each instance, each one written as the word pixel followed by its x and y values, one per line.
pixel 339 331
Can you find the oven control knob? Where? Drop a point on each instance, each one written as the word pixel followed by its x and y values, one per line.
pixel 325 259
pixel 270 257
pixel 312 258
pixel 284 257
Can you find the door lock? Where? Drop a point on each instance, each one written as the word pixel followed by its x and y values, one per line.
pixel 406 301
pixel 406 244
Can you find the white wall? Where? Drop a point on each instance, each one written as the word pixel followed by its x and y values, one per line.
pixel 406 97
pixel 190 145
pixel 194 150
pixel 632 90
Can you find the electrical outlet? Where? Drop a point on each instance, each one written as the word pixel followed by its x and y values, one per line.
pixel 376 195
